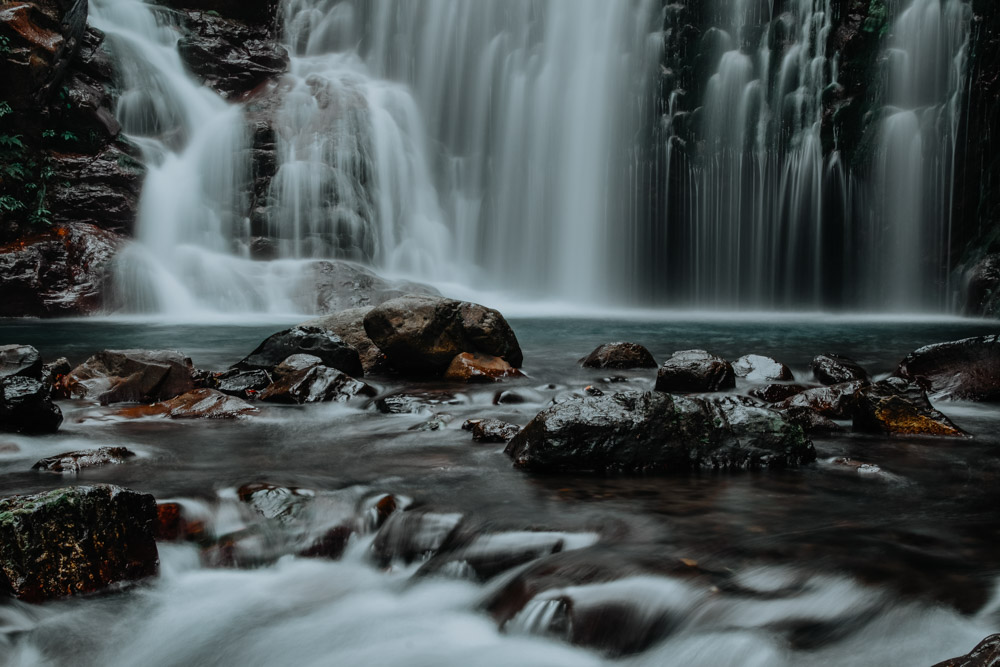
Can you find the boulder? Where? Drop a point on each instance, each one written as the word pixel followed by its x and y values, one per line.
pixel 242 384
pixel 967 369
pixel 835 401
pixel 898 407
pixel 836 369
pixel 477 367
pixel 620 356
pixel 350 326
pixel 60 272
pixel 493 430
pixel 692 371
pixel 296 364
pixel 333 286
pixel 758 368
pixel 329 347
pixel 315 384
pixel 195 404
pixel 87 458
pixel 131 376
pixel 20 360
pixel 986 654
pixel 653 432
pixel 775 393
pixel 982 287
pixel 423 334
pixel 26 406
pixel 75 540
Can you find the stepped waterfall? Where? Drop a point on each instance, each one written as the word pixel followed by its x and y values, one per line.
pixel 547 149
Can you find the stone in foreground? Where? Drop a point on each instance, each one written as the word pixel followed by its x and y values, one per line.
pixel 197 404
pixel 316 384
pixel 898 407
pixel 87 458
pixel 967 369
pixel 695 371
pixel 75 540
pixel 477 367
pixel 620 356
pixel 986 654
pixel 643 432
pixel 329 347
pixel 26 407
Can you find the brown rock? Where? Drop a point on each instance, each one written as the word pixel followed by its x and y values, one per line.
pixel 477 367
pixel 350 326
pixel 835 401
pixel 88 458
pixel 898 407
pixel 775 393
pixel 196 404
pixel 314 384
pixel 620 356
pixel 967 369
pixel 131 376
pixel 691 371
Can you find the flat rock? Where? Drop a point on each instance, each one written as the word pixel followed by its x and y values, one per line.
pixel 620 356
pixel 695 371
pixel 243 384
pixel 898 407
pixel 87 458
pixel 967 369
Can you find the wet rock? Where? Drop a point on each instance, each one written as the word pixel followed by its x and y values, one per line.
pixel 477 367
pixel 775 393
pixel 858 466
pixel 273 501
pixel 835 369
pixel 75 540
pixel 331 544
pixel 758 368
pixel 413 403
pixel 332 286
pixel 982 287
pixel 967 369
pixel 296 364
pixel 509 397
pixel 330 348
pixel 643 432
pixel 620 356
pixel 20 360
pixel 259 12
pixel 131 376
pixel 26 407
pixel 100 190
pixel 494 430
pixel 986 654
pixel 488 555
pixel 87 458
pixel 172 524
pixel 898 407
pixel 315 384
pixel 415 535
pixel 423 334
pixel 834 401
pixel 692 371
pixel 243 384
pixel 435 423
pixel 810 420
pixel 195 404
pixel 60 272
pixel 350 326
pixel 54 372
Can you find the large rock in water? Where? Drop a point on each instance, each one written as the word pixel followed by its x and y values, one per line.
pixel 652 432
pixel 620 356
pixel 22 360
pixel 197 404
pixel 75 540
pixel 837 369
pixel 131 376
pixel 315 384
pixel 58 272
pixel 758 368
pixel 967 369
pixel 835 401
pixel 693 371
pixel 423 334
pixel 898 407
pixel 350 326
pixel 26 406
pixel 986 654
pixel 329 347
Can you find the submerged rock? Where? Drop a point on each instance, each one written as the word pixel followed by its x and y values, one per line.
pixel 758 368
pixel 986 654
pixel 196 404
pixel 423 334
pixel 314 384
pixel 75 540
pixel 477 367
pixel 26 406
pixel 643 432
pixel 836 369
pixel 131 376
pixel 620 356
pixel 87 458
pixel 329 347
pixel 409 536
pixel 22 360
pixel 967 369
pixel 898 407
pixel 694 371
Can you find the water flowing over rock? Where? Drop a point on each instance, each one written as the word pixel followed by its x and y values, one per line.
pixel 986 654
pixel 26 406
pixel 89 458
pixel 757 368
pixel 423 334
pixel 898 407
pixel 967 369
pixel 131 376
pixel 75 540
pixel 633 432
pixel 195 404
pixel 695 371
pixel 414 535
pixel 982 287
pixel 836 369
pixel 309 340
pixel 620 356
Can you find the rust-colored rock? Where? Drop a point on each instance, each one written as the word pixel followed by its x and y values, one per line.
pixel 834 401
pixel 898 407
pixel 130 376
pixel 967 369
pixel 196 404
pixel 477 367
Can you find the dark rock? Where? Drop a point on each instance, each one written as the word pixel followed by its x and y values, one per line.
pixel 173 525
pixel 330 348
pixel 258 12
pixel 810 420
pixel 55 371
pixel 775 393
pixel 967 369
pixel 435 423
pixel 477 367
pixel 642 432
pixel 131 376
pixel 331 544
pixel 413 403
pixel 982 287
pixel 26 406
pixel 488 555
pixel 59 272
pixel 315 384
pixel 835 369
pixel 695 371
pixel 88 458
pixel 494 430
pixel 75 540
pixel 296 364
pixel 273 501
pixel 835 401
pixel 620 356
pixel 757 368
pixel 243 384
pixel 333 286
pixel 409 536
pixel 195 404
pixel 423 334
pixel 898 407
pixel 350 326
pixel 986 654
pixel 100 190
pixel 508 397
pixel 20 360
